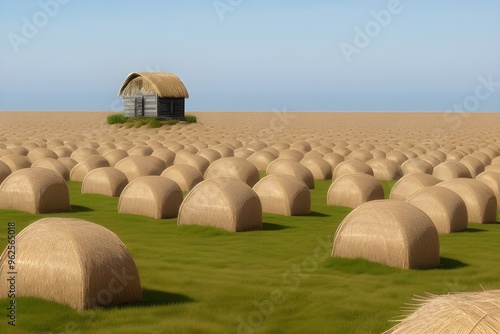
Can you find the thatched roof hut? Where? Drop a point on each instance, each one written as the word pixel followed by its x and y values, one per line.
pixel 390 232
pixel 222 202
pixel 283 195
pixel 451 169
pixel 107 181
pixel 233 167
pixel 480 200
pixel 352 190
pixel 72 262
pixel 186 177
pixel 154 94
pixel 291 167
pixel 151 196
pixel 446 209
pixel 411 183
pixel 320 169
pixel 466 312
pixel 35 190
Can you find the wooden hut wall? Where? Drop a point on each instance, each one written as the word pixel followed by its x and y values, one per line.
pixel 171 108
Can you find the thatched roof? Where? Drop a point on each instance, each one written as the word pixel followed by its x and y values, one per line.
pixel 72 261
pixel 468 312
pixel 153 83
pixel 390 232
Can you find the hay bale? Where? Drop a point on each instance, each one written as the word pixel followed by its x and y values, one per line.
pixel 166 155
pixel 83 153
pixel 16 161
pixel 416 165
pixel 446 209
pixel 35 190
pixel 390 232
pixel 491 168
pixel 411 183
pixel 352 190
pixel 186 177
pixel 210 154
pixel 474 165
pixel 291 154
pixel 141 150
pixel 291 167
pixel 361 155
pixel 492 180
pixel 233 167
pixel 151 196
pixel 385 169
pixel 137 166
pixel 397 156
pixel 4 171
pixel 63 151
pixel 196 161
pixel 90 163
pixel 243 153
pixel 222 202
pixel 226 151
pixel 262 159
pixel 114 156
pixel 73 262
pixel 480 200
pixel 54 165
pixel 465 312
pixel 283 195
pixel 302 146
pixel 68 162
pixel 483 157
pixel 107 181
pixel 320 169
pixel 41 153
pixel 333 159
pixel 351 167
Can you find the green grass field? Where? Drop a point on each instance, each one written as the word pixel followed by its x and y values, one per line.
pixel 277 280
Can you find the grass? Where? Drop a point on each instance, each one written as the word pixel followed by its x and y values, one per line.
pixel 278 280
pixel 137 122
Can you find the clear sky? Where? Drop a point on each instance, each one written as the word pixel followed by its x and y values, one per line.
pixel 329 55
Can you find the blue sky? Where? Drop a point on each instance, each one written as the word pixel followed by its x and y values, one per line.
pixel 337 55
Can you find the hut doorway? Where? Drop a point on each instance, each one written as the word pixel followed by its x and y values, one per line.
pixel 139 106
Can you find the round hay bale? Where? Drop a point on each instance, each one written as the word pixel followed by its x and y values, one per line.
pixel 92 162
pixel 491 152
pixel 320 169
pixel 291 167
pixel 151 196
pixel 16 162
pixel 474 165
pixel 385 169
pixel 107 181
pixel 54 143
pixel 291 155
pixel 114 156
pixel 397 156
pixel 343 151
pixel 68 162
pixel 333 159
pixel 483 157
pixel 210 154
pixel 446 209
pixel 323 150
pixel 4 171
pixel 378 154
pixel 352 190
pixel 390 232
pixel 351 167
pixel 411 183
pixel 105 148
pixel 301 146
pixel 225 150
pixel 243 153
pixel 440 155
pixel 492 180
pixel 490 168
pixel 196 161
pixel 431 159
pixel 416 165
pixel 83 153
pixel 137 166
pixel 41 153
pixel 5 152
pixel 54 165
pixel 313 154
pixel 261 159
pixel 63 151
pixel 283 195
pixel 455 155
pixel 222 202
pixel 233 167
pixel 72 261
pixel 361 155
pixel 451 169
pixel 166 155
pixel 141 150
pixel 465 312
pixel 480 200
pixel 35 190
pixel 186 177
pixel 281 146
